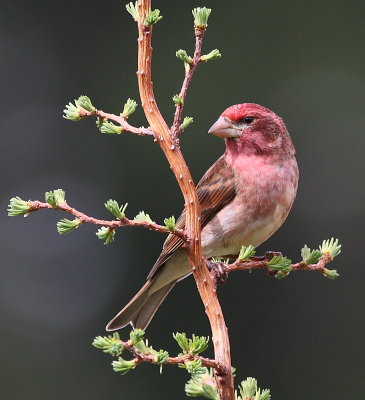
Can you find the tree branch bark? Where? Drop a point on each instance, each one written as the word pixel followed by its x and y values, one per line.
pixel 204 282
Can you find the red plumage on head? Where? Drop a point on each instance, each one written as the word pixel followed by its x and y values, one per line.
pixel 239 111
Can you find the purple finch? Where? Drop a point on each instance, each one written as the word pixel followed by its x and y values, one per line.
pixel 245 196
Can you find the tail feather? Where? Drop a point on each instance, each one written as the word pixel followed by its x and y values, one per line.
pixel 140 310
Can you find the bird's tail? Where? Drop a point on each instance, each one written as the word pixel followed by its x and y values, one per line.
pixel 140 310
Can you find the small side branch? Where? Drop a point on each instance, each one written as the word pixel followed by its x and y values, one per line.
pixel 199 35
pixel 113 224
pixel 126 127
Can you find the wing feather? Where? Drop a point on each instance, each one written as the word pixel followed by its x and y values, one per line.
pixel 215 189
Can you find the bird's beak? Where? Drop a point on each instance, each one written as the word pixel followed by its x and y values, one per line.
pixel 224 128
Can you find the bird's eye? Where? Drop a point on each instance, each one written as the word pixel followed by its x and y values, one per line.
pixel 248 120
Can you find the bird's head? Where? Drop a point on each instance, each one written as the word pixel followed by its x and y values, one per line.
pixel 253 129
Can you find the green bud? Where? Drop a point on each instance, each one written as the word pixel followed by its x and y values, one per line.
pixel 310 256
pixel 331 273
pixel 246 252
pixel 115 209
pixel 129 108
pixel 142 216
pixel 17 206
pixel 153 17
pixel 170 223
pixel 213 55
pixel 281 275
pixel 136 336
pixel 109 344
pixel 195 345
pixel 195 388
pixel 133 10
pixel 201 15
pixel 183 56
pixel 55 197
pixel 73 112
pixel 123 366
pixel 177 100
pixel 107 234
pixel 99 122
pixel 263 395
pixel 85 102
pixel 182 341
pixel 195 368
pixel 186 122
pixel 66 226
pixel 109 128
pixel 198 344
pixel 248 388
pixel 330 247
pixel 280 263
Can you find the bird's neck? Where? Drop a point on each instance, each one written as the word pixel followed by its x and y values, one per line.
pixel 248 151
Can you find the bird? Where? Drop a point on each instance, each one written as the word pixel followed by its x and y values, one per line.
pixel 245 196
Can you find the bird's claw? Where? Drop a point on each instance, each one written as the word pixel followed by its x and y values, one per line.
pixel 218 271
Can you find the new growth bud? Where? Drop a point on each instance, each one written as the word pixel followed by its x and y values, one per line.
pixel 133 10
pixel 248 389
pixel 17 206
pixel 129 108
pixel 183 56
pixel 153 17
pixel 201 15
pixel 108 127
pixel 178 101
pixel 310 256
pixel 66 226
pixel 213 55
pixel 246 252
pixel 105 233
pixel 109 344
pixel 55 197
pixel 115 209
pixel 142 216
pixel 170 223
pixel 73 112
pixel 330 247
pixel 123 366
pixel 85 102
pixel 186 122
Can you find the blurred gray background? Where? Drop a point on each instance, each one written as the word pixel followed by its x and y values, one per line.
pixel 302 337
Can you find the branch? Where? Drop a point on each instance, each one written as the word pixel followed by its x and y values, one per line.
pixel 21 207
pixel 199 35
pixel 142 352
pixel 276 264
pixel 204 282
pixel 83 108
pixel 239 265
pixel 122 122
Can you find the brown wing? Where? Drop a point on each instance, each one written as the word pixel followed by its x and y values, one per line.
pixel 215 189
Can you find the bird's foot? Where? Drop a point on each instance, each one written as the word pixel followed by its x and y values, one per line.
pixel 267 257
pixel 219 271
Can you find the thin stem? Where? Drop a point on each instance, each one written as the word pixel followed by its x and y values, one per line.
pixel 239 265
pixel 38 205
pixel 151 358
pixel 121 121
pixel 199 35
pixel 204 281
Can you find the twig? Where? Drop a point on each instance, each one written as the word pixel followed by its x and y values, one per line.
pixel 204 282
pixel 120 120
pixel 151 358
pixel 38 205
pixel 175 128
pixel 244 265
